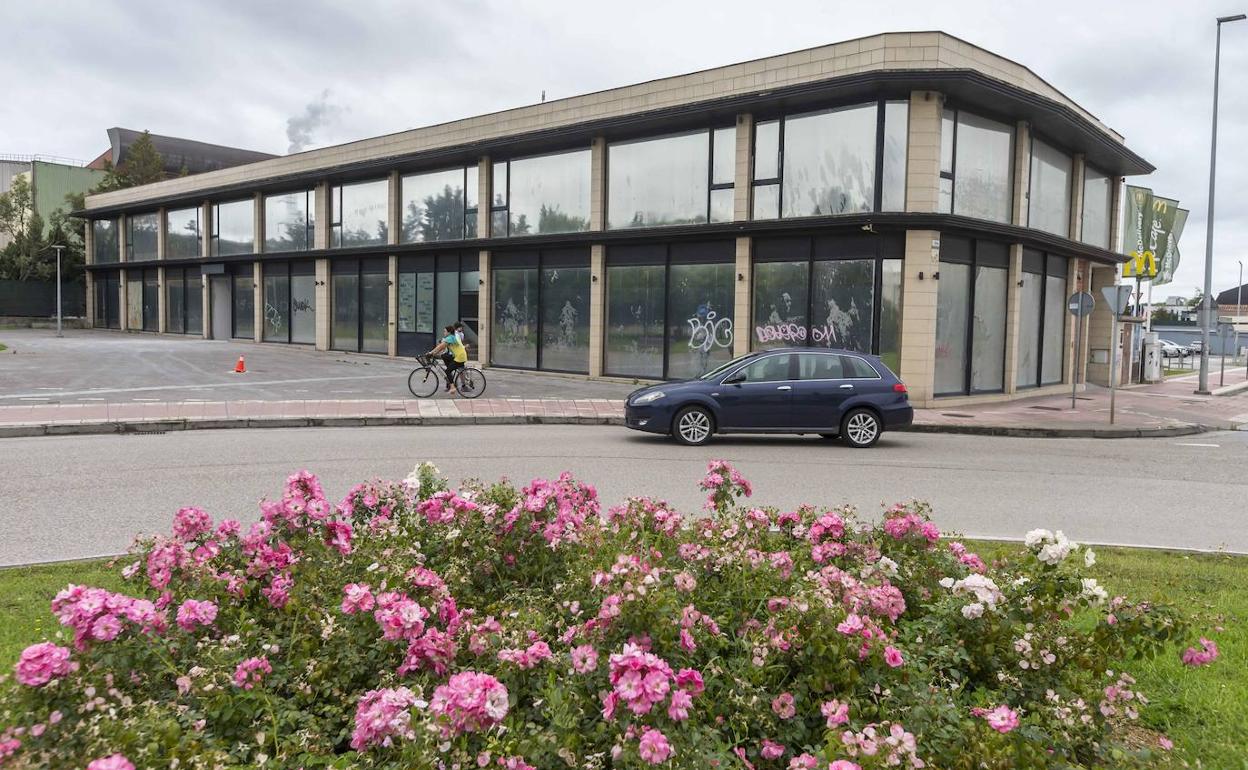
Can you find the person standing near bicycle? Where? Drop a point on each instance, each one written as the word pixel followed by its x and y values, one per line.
pixel 453 353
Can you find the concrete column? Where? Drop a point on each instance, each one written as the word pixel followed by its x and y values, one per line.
pixel 393 216
pixel 89 282
pixel 485 306
pixel 162 232
pixel 597 307
pixel 257 224
pixel 485 198
pixel 1022 173
pixel 1099 327
pixel 1013 317
pixel 324 313
pixel 1077 170
pixel 597 190
pixel 392 307
pixel 205 236
pixel 123 292
pixel 742 327
pixel 1115 219
pixel 205 330
pixel 162 323
pixel 257 281
pixel 320 223
pixel 1068 349
pixel 918 314
pixel 923 152
pixel 743 177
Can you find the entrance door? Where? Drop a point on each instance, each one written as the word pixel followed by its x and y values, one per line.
pixel 219 293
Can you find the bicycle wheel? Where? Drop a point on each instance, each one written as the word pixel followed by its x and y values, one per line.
pixel 470 382
pixel 423 382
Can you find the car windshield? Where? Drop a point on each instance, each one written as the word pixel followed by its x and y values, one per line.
pixel 717 371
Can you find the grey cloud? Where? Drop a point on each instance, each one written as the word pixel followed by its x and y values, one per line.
pixel 316 114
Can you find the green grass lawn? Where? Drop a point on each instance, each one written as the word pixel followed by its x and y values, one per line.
pixel 1204 711
pixel 1177 372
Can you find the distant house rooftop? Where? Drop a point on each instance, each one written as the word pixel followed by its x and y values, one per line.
pixel 1229 296
pixel 195 157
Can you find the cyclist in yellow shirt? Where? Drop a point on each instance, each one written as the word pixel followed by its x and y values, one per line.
pixel 453 354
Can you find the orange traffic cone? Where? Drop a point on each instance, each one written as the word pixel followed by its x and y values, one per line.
pixel 240 367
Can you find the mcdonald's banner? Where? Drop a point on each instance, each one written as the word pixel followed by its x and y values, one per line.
pixel 1170 257
pixel 1151 229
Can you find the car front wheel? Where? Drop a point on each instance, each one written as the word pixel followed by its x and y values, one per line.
pixel 861 428
pixel 693 426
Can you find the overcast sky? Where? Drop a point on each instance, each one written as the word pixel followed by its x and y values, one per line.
pixel 260 74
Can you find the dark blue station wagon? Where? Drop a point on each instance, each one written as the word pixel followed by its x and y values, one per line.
pixel 835 393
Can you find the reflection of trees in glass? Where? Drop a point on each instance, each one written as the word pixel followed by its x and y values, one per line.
pixel 635 320
pixel 515 317
pixel 440 218
pixel 780 292
pixel 844 294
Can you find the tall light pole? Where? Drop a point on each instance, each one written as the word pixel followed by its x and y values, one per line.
pixel 58 249
pixel 1239 307
pixel 1213 167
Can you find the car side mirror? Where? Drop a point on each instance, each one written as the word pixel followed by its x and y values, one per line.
pixel 734 379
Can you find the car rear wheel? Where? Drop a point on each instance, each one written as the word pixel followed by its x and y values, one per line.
pixel 861 428
pixel 693 426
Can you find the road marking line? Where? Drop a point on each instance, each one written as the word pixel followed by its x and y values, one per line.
pixel 234 384
pixel 1215 446
pixel 145 399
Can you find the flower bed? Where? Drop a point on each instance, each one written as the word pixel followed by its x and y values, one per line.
pixel 415 626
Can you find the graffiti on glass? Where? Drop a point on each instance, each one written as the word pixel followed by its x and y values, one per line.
pixel 797 333
pixel 708 331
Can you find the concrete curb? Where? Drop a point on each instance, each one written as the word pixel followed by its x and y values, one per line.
pixel 1031 432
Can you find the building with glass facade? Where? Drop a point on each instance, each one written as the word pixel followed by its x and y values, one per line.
pixel 907 194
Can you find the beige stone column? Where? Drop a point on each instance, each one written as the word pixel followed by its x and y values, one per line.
pixel 742 326
pixel 1013 317
pixel 918 314
pixel 1022 173
pixel 597 307
pixel 324 313
pixel 123 292
pixel 257 288
pixel 597 193
pixel 485 199
pixel 257 224
pixel 205 316
pixel 205 236
pixel 923 152
pixel 485 306
pixel 162 323
pixel 1068 349
pixel 393 216
pixel 162 234
pixel 392 307
pixel 89 309
pixel 743 177
pixel 1100 326
pixel 1115 218
pixel 320 221
pixel 1078 169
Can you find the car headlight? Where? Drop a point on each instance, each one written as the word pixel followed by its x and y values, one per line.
pixel 647 398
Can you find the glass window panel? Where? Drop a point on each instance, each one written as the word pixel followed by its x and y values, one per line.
pixel 774 368
pixel 1054 361
pixel 658 181
pixel 635 295
pixel 142 236
pixel 565 319
pixel 182 233
pixel 433 206
pixel 724 157
pixel 515 318
pixel 829 162
pixel 276 304
pixel 500 184
pixel 424 303
pixel 843 304
pixel 104 243
pixel 550 194
pixel 303 309
pixel 345 333
pixel 1048 206
pixel 767 201
pixel 1028 372
pixel 952 305
pixel 819 366
pixel 982 185
pixel 780 304
pixel 945 204
pixel 1097 201
pixel 472 186
pixel 896 131
pixel 498 224
pixel 363 215
pixel 288 221
pixel 947 129
pixel 151 301
pixel 699 318
pixel 767 150
pixel 988 339
pixel 375 311
pixel 244 303
pixel 407 302
pixel 890 313
pixel 175 310
pixel 235 226
pixel 134 302
pixel 722 205
pixel 194 301
pixel 446 308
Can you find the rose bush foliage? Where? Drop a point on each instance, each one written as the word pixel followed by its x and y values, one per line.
pixel 416 626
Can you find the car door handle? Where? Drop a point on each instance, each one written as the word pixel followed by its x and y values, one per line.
pixel 847 386
pixel 785 387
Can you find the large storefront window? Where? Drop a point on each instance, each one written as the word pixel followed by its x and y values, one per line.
pixel 289 223
pixel 183 233
pixel 822 292
pixel 434 291
pixel 668 180
pixel 438 205
pixel 1048 206
pixel 184 300
pixel 544 194
pixel 142 236
pixel 1097 204
pixel 234 228
pixel 105 246
pixel 151 300
pixel 1042 321
pixel 244 293
pixel 359 214
pixel 669 309
pixel 361 305
pixel 289 302
pixel 541 310
pixel 1053 360
pixel 107 299
pixel 976 166
pixel 971 316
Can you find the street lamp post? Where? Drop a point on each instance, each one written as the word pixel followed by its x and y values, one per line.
pixel 59 249
pixel 1239 307
pixel 1213 166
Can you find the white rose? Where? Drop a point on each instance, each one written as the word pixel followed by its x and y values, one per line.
pixel 1036 537
pixel 972 611
pixel 946 582
pixel 1089 557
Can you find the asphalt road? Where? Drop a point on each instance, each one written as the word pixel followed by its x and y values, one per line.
pixel 77 496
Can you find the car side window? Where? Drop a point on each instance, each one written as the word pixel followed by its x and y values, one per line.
pixel 819 366
pixel 858 368
pixel 767 369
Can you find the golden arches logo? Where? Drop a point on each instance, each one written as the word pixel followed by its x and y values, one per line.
pixel 1160 206
pixel 1140 265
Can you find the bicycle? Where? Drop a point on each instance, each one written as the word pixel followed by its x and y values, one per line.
pixel 423 381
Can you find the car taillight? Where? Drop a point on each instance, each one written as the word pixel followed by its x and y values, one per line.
pixel 899 387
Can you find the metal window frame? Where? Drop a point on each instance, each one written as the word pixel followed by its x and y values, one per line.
pixel 711 185
pixel 968 388
pixel 309 221
pixel 1070 183
pixel 199 230
pixel 541 322
pixel 953 176
pixel 464 213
